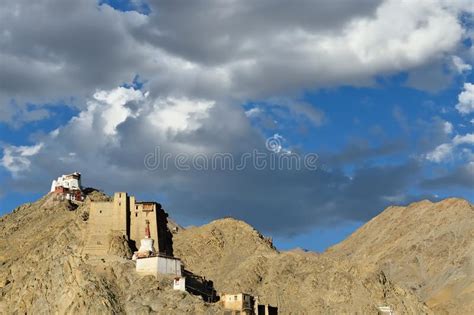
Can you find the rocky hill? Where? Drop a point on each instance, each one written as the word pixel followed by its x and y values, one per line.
pixel 42 270
pixel 414 259
pixel 237 258
pixel 428 247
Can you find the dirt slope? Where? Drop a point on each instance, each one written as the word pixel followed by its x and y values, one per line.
pixel 407 258
pixel 428 247
pixel 237 258
pixel 42 270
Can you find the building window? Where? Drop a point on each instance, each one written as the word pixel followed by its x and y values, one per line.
pixel 136 214
pixel 100 211
pixel 235 297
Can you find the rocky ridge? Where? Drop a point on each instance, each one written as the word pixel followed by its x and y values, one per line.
pixel 428 247
pixel 416 259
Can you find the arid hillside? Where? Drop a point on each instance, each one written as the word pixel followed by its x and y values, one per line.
pixel 42 270
pixel 416 259
pixel 237 258
pixel 427 247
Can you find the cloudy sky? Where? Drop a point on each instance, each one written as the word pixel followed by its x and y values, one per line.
pixel 380 95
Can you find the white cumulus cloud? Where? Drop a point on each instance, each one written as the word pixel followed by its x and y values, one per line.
pixel 447 127
pixel 17 159
pixel 440 153
pixel 446 151
pixel 460 65
pixel 466 99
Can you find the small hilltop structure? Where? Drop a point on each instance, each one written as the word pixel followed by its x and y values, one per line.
pixel 68 187
pixel 245 304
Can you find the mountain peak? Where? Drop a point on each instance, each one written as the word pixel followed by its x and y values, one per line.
pixel 426 245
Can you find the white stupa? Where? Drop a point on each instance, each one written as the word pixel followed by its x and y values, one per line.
pixel 146 244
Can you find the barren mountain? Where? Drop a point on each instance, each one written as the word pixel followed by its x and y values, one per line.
pixel 428 247
pixel 237 258
pixel 404 258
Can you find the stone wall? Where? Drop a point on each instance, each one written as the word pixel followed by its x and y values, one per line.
pixel 100 224
pixel 128 217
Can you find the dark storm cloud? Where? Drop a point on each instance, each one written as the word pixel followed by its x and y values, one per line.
pixel 215 32
pixel 56 50
pixel 289 202
pixel 462 176
pixel 360 150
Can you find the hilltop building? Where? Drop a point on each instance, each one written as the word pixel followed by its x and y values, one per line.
pixel 385 310
pixel 136 221
pixel 68 187
pixel 242 303
pixel 239 303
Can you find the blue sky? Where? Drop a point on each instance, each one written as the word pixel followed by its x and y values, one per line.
pixel 390 124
